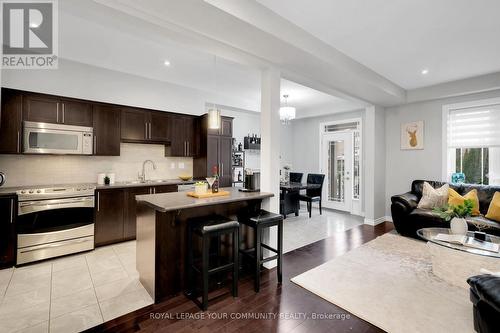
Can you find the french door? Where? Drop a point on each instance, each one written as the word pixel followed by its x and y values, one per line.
pixel 337 165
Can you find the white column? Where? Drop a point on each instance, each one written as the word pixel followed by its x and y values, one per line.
pixel 270 133
pixel 374 180
pixel 270 150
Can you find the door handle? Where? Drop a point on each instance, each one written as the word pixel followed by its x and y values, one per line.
pixel 95 144
pixel 63 112
pixel 188 150
pixel 57 112
pixel 146 130
pixel 11 211
pixel 98 201
pixel 150 136
pixel 18 141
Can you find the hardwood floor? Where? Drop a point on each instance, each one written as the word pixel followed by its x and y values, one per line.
pixel 287 299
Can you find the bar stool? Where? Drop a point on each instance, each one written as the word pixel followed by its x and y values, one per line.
pixel 208 228
pixel 259 221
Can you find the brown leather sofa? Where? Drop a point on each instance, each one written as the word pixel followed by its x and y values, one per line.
pixel 408 218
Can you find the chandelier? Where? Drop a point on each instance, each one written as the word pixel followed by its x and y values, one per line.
pixel 287 113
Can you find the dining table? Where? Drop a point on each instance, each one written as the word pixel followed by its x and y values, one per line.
pixel 289 197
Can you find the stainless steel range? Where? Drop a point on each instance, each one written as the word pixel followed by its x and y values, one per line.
pixel 54 221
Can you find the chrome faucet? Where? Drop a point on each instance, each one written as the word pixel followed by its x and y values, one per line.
pixel 142 176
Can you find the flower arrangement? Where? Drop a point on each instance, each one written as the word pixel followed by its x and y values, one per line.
pixel 461 211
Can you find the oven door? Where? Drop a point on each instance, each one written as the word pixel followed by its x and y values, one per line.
pixel 50 228
pixel 41 138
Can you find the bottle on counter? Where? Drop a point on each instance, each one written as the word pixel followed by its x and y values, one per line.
pixel 239 176
pixel 215 185
pixel 240 148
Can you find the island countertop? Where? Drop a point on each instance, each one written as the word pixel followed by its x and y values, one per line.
pixel 166 202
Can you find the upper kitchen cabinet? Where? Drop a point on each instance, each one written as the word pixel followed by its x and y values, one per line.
pixel 225 129
pixel 183 136
pixel 135 125
pixel 144 126
pixel 51 109
pixel 159 128
pixel 11 122
pixel 106 130
pixel 76 113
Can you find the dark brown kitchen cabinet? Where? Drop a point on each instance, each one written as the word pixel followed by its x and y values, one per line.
pixel 214 150
pixel 52 109
pixel 226 128
pixel 41 108
pixel 106 130
pixel 8 213
pixel 109 216
pixel 129 225
pixel 115 212
pixel 11 122
pixel 76 113
pixel 183 141
pixel 159 130
pixel 135 125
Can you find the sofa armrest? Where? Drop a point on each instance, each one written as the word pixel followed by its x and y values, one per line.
pixel 408 200
pixel 487 289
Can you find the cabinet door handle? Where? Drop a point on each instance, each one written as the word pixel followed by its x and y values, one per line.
pixel 154 190
pixel 57 112
pixel 95 144
pixel 188 150
pixel 18 141
pixel 98 201
pixel 150 136
pixel 11 210
pixel 63 112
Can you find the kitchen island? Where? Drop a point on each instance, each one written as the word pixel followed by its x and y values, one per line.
pixel 161 233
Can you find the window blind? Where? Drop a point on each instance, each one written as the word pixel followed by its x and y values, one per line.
pixel 474 127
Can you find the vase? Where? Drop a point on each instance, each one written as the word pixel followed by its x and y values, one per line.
pixel 458 226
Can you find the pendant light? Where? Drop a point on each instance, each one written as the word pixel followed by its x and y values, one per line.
pixel 287 113
pixel 214 121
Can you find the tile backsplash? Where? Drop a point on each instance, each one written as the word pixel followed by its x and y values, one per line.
pixel 30 170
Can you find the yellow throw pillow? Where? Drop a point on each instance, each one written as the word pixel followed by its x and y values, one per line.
pixel 494 209
pixel 456 199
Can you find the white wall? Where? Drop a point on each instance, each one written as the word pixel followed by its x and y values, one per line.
pixel 244 123
pixel 28 170
pixel 74 79
pixel 403 166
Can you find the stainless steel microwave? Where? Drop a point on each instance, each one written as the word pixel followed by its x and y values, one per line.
pixel 46 138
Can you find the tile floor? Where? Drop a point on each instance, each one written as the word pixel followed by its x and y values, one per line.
pixel 302 230
pixel 73 293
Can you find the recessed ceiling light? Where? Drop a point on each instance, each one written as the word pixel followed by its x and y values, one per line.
pixel 166 63
pixel 425 71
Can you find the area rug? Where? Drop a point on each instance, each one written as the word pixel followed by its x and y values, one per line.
pixel 388 282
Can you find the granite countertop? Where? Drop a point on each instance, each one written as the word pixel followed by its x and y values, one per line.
pixel 14 189
pixel 166 202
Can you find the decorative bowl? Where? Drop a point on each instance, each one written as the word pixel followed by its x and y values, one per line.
pixel 185 178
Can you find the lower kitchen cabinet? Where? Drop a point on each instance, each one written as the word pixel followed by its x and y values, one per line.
pixel 129 224
pixel 115 212
pixel 8 213
pixel 109 215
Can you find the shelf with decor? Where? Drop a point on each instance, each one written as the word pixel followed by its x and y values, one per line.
pixel 238 166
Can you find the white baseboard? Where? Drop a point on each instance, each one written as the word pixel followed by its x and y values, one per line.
pixel 375 221
pixel 388 218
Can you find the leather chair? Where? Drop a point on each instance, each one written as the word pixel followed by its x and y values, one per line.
pixel 313 194
pixel 485 298
pixel 407 218
pixel 296 177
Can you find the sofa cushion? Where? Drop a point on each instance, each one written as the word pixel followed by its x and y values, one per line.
pixel 433 198
pixel 494 208
pixel 455 199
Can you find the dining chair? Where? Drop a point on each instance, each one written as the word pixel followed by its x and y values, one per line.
pixel 313 194
pixel 296 177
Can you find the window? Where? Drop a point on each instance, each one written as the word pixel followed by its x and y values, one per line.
pixel 474 144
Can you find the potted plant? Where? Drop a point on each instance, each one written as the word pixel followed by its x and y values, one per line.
pixel 456 214
pixel 200 187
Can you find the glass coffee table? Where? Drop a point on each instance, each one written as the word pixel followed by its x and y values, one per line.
pixel 428 234
pixel 455 263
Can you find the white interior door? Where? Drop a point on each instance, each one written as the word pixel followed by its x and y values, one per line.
pixel 336 164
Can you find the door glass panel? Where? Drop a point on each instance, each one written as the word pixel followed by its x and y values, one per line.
pixel 53 141
pixel 356 171
pixel 336 171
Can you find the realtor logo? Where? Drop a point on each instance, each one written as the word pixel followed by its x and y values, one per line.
pixel 29 34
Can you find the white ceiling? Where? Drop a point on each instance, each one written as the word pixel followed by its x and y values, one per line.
pixel 454 39
pixel 310 102
pixel 99 36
